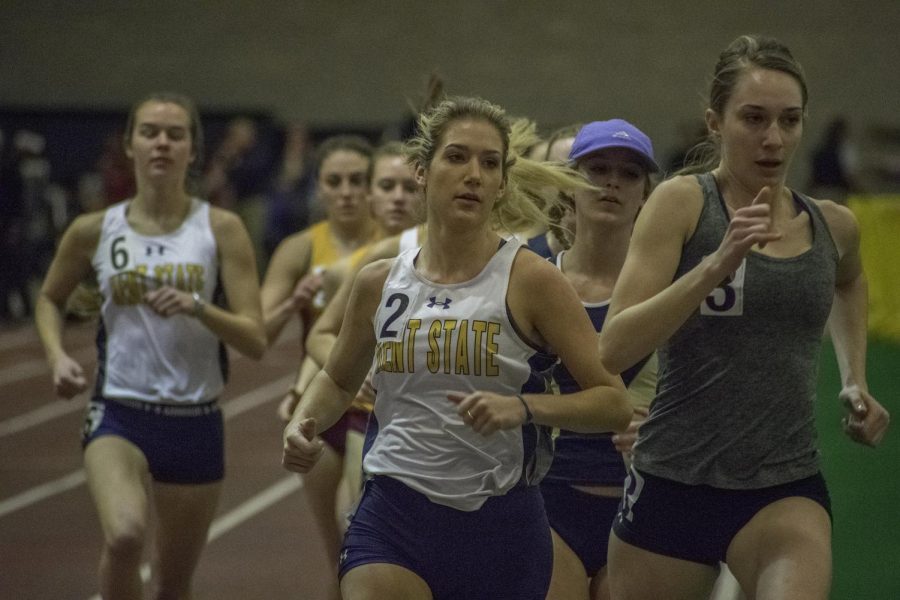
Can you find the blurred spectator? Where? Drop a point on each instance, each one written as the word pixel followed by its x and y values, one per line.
pixel 292 189
pixel 835 163
pixel 12 227
pixel 33 212
pixel 112 179
pixel 238 167
pixel 237 175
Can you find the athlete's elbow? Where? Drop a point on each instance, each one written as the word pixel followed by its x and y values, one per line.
pixel 315 348
pixel 610 411
pixel 272 326
pixel 611 354
pixel 254 347
pixel 260 345
pixel 621 412
pixel 256 353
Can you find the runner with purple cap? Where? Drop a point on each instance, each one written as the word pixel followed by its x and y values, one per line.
pixel 584 486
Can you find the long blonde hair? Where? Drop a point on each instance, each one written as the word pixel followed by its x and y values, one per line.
pixel 531 186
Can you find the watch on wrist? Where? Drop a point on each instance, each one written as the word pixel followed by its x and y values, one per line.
pixel 199 305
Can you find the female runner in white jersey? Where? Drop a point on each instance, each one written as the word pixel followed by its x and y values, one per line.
pixel 153 433
pixel 460 331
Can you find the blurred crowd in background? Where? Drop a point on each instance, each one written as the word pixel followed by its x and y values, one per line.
pixel 54 168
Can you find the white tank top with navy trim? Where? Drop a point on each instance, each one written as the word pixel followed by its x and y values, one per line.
pixel 141 354
pixel 409 238
pixel 434 339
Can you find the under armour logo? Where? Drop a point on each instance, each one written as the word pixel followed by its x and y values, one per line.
pixel 622 134
pixel 159 249
pixel 445 304
pixel 343 557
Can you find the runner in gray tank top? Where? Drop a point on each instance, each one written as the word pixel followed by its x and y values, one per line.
pixel 765 319
pixel 732 276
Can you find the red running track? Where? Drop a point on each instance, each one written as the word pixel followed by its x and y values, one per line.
pixel 262 544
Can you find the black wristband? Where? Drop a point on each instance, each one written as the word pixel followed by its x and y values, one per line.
pixel 528 416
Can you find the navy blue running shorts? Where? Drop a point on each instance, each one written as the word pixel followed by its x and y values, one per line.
pixel 582 520
pixel 698 522
pixel 182 444
pixel 501 551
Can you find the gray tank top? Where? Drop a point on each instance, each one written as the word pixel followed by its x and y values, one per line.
pixel 737 382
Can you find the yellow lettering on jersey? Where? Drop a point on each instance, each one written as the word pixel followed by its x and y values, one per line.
pixel 412 327
pixel 129 287
pixel 390 354
pixel 188 277
pixel 163 273
pixel 379 358
pixel 491 369
pixel 449 326
pixel 433 358
pixel 196 280
pixel 448 355
pixel 478 328
pixel 462 348
pixel 397 356
pixel 141 271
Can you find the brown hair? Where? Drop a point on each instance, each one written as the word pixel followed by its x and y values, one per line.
pixel 349 143
pixel 392 148
pixel 745 52
pixel 196 130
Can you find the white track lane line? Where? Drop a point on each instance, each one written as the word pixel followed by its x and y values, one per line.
pixel 53 410
pixel 241 513
pixel 25 335
pixel 41 492
pixel 38 367
pixel 40 415
pixel 230 409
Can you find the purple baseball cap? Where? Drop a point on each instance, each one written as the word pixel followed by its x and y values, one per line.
pixel 615 133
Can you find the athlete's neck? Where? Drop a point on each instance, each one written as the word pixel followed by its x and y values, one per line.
pixel 450 257
pixel 599 254
pixel 152 211
pixel 353 235
pixel 737 193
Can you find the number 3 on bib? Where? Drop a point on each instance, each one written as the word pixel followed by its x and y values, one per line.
pixel 727 300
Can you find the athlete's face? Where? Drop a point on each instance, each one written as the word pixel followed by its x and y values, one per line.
pixel 343 185
pixel 761 127
pixel 394 194
pixel 621 178
pixel 466 175
pixel 160 143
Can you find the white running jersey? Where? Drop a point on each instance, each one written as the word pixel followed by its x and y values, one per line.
pixel 409 238
pixel 436 339
pixel 141 354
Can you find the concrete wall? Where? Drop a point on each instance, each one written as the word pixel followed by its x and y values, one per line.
pixel 346 62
